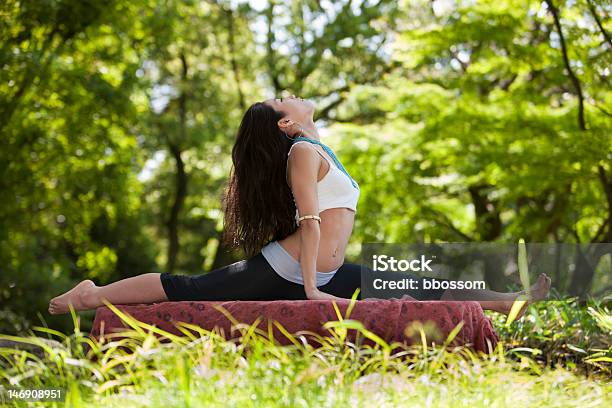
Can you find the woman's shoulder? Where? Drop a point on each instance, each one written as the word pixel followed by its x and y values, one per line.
pixel 302 146
pixel 303 154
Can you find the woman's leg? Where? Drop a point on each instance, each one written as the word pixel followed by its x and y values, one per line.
pixel 86 295
pixel 348 279
pixel 345 282
pixel 250 279
pixel 502 302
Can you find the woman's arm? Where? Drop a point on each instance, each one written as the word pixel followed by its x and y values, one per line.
pixel 303 173
pixel 309 247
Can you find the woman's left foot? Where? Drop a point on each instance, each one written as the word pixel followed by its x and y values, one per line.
pixel 75 297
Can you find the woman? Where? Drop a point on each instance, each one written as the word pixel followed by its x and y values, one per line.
pixel 288 199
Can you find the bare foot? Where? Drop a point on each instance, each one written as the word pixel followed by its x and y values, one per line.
pixel 61 304
pixel 538 291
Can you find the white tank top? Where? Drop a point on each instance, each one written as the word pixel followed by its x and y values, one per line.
pixel 335 189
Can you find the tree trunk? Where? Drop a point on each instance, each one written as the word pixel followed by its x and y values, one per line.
pixel 488 222
pixel 232 47
pixel 489 228
pixel 607 187
pixel 271 55
pixel 181 176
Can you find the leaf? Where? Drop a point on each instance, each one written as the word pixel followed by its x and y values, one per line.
pixel 521 300
pixel 577 349
pixel 599 359
pixel 517 306
pixel 523 266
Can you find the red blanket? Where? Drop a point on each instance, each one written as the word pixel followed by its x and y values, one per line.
pixel 386 318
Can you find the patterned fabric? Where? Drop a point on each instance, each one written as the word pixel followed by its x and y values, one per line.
pixel 387 318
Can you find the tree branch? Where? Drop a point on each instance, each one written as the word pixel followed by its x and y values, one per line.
pixel 605 34
pixel 570 72
pixel 324 112
pixel 445 221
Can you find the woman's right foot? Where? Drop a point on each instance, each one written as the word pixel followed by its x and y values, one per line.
pixel 77 297
pixel 538 291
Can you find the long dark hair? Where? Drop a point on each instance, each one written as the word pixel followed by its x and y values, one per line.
pixel 258 204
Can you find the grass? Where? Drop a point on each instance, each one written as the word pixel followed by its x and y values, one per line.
pixel 569 333
pixel 549 358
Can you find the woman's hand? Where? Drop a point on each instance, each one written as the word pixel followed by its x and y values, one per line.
pixel 316 294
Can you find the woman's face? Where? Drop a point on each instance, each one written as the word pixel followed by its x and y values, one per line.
pixel 296 109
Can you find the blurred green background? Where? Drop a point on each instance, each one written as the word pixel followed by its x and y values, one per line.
pixel 461 120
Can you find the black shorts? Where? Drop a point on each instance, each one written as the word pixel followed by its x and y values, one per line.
pixel 255 279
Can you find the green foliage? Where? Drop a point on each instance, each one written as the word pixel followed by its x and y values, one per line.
pixel 563 332
pixel 69 152
pixel 459 120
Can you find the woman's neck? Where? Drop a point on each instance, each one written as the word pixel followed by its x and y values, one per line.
pixel 310 131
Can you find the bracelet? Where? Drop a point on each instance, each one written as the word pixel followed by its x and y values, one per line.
pixel 309 217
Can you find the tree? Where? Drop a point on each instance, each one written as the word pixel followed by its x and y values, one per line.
pixel 493 127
